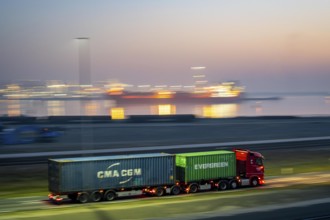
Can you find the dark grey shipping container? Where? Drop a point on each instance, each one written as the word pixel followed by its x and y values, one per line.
pixel 110 172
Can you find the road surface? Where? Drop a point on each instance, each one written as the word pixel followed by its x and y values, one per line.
pixel 279 193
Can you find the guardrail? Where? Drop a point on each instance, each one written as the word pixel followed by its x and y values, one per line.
pixel 95 119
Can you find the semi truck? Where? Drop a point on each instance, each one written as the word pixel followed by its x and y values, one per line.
pixel 93 179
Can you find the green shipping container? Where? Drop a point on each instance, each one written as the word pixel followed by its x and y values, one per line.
pixel 191 167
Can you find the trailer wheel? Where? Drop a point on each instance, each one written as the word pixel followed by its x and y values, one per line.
pixel 254 182
pixel 109 195
pixel 233 184
pixel 96 196
pixel 159 191
pixel 175 190
pixel 222 185
pixel 83 197
pixel 193 188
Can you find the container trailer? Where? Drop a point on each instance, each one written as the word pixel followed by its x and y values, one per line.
pixel 109 177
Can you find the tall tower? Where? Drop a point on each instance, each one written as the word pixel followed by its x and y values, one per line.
pixel 199 78
pixel 86 133
pixel 84 62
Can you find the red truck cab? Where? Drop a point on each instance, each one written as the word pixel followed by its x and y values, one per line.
pixel 249 167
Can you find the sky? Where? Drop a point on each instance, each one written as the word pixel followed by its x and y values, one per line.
pixel 273 45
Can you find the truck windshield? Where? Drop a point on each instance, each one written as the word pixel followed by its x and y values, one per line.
pixel 259 161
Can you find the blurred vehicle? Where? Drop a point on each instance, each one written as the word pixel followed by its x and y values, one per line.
pixel 27 134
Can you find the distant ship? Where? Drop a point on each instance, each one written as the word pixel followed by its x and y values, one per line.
pixel 226 92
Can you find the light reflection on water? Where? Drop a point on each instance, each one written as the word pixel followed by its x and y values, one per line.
pixel 220 111
pixel 55 108
pixel 14 108
pixel 289 105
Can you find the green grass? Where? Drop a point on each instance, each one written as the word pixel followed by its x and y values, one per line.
pixel 293 162
pixel 194 204
pixel 29 180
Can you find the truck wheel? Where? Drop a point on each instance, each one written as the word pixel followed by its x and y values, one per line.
pixel 222 185
pixel 159 191
pixel 254 182
pixel 96 196
pixel 175 190
pixel 233 184
pixel 193 188
pixel 83 197
pixel 109 195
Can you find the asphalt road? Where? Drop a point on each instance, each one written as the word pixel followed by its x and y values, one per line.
pixel 118 135
pixel 272 201
pixel 117 138
pixel 303 211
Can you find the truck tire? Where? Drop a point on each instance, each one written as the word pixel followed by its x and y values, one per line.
pixel 109 195
pixel 222 185
pixel 233 184
pixel 254 182
pixel 96 196
pixel 83 197
pixel 175 190
pixel 159 191
pixel 193 188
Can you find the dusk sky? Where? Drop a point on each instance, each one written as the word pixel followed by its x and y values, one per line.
pixel 268 45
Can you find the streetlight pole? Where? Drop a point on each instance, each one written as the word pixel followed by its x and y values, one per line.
pixel 84 67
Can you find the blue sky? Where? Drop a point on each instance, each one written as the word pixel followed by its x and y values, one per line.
pixel 267 45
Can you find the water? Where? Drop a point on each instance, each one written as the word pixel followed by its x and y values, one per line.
pixel 298 105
